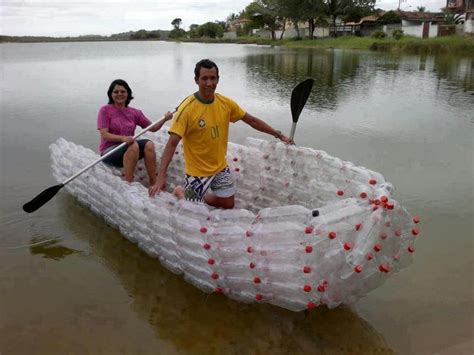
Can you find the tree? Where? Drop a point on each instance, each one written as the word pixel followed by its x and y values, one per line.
pixel 293 11
pixel 230 19
pixel 144 34
pixel 335 8
pixel 453 19
pixel 177 32
pixel 264 14
pixel 390 17
pixel 211 30
pixel 193 31
pixel 420 8
pixel 140 34
pixel 176 23
pixel 315 12
pixel 356 13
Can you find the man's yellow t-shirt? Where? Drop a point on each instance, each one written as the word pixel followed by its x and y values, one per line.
pixel 204 128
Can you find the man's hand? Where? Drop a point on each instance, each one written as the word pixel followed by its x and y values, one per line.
pixel 284 138
pixel 261 126
pixel 159 186
pixel 165 161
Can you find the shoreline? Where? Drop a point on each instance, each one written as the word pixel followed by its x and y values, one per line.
pixel 437 45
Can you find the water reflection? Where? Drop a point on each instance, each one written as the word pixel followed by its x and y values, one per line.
pixel 328 68
pixel 459 72
pixel 50 249
pixel 195 322
pixel 339 73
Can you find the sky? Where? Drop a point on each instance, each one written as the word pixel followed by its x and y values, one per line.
pixel 60 18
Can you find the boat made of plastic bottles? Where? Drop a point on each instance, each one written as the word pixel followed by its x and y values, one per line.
pixel 308 229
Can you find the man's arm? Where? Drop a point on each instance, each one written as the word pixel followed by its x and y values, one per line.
pixel 264 127
pixel 168 153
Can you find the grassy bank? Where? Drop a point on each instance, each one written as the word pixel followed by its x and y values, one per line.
pixel 437 45
pixel 345 42
pixel 408 44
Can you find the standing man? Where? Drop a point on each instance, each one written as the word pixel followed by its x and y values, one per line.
pixel 202 121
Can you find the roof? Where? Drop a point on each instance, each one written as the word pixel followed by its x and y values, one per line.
pixel 421 16
pixel 372 18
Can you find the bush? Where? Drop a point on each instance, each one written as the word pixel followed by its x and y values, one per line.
pixel 397 33
pixel 177 33
pixel 211 30
pixel 379 34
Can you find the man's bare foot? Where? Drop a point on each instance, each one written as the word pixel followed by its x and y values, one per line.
pixel 179 192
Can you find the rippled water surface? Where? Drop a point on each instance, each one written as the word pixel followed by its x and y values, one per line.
pixel 71 284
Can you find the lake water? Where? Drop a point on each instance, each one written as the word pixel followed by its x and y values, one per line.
pixel 71 284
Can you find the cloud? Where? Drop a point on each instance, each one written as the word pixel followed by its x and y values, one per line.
pixel 73 18
pixel 60 18
pixel 411 5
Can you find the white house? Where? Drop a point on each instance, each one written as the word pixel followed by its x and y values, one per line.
pixel 421 24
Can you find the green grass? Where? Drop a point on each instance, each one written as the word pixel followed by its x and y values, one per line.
pixel 408 44
pixel 347 42
pixel 436 45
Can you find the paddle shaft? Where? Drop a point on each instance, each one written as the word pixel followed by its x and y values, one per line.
pixel 293 129
pixel 109 153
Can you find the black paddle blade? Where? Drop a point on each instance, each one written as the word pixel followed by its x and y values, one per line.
pixel 299 96
pixel 42 198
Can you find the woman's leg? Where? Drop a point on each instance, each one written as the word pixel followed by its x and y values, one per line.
pixel 150 162
pixel 130 159
pixel 116 159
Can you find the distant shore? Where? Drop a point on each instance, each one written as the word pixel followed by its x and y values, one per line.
pixel 437 45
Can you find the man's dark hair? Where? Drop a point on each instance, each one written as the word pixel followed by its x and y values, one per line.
pixel 121 83
pixel 205 63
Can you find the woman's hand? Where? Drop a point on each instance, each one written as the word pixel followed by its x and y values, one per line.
pixel 168 116
pixel 127 139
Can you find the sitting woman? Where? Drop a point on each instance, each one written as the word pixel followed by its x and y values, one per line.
pixel 116 122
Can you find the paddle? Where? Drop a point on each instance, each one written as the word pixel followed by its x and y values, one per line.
pixel 299 96
pixel 50 192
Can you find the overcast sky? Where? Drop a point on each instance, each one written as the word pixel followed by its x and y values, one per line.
pixel 105 17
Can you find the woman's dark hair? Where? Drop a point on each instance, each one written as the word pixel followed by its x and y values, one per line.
pixel 205 63
pixel 121 83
